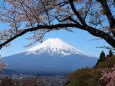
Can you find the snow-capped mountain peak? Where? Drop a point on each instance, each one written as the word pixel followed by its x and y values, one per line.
pixel 51 56
pixel 55 46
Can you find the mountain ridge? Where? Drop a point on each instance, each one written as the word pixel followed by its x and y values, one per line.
pixel 47 58
pixel 55 45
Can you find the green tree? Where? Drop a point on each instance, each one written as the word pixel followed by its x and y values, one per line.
pixel 92 77
pixel 84 77
pixel 107 63
pixel 110 53
pixel 102 57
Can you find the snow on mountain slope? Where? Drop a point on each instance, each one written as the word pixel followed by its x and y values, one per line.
pixel 47 58
pixel 55 46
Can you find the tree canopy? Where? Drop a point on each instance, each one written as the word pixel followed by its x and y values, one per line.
pixel 110 53
pixel 42 16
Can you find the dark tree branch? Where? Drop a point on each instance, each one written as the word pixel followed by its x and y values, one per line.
pixel 22 2
pixel 38 28
pixel 67 18
pixel 71 19
pixel 107 10
pixel 26 13
pixel 87 11
pixel 98 33
pixel 76 12
pixel 91 30
pixel 46 11
pixel 109 15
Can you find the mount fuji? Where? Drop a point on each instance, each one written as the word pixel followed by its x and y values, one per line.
pixel 51 56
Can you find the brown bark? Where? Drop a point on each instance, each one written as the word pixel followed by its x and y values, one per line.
pixel 91 30
pixel 109 15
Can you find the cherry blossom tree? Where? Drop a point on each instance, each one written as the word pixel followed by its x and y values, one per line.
pixel 108 77
pixel 39 17
pixel 2 65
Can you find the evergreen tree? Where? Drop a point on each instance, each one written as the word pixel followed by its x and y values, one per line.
pixel 110 53
pixel 102 57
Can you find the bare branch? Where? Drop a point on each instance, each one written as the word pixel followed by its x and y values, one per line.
pixel 108 14
pixel 91 30
pixel 76 12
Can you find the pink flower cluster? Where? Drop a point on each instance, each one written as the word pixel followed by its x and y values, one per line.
pixel 108 76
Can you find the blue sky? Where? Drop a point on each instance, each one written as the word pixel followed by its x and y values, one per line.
pixel 79 39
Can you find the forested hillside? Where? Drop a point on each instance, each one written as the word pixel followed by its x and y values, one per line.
pixel 103 74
